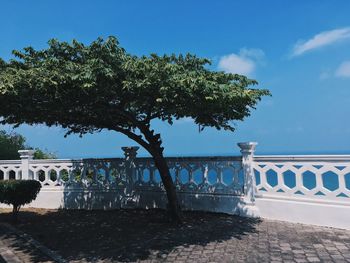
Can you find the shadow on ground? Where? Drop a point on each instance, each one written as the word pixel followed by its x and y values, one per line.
pixel 20 247
pixel 127 235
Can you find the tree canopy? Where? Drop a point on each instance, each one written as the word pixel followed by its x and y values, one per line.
pixel 89 88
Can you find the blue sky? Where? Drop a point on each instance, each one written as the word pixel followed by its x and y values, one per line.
pixel 300 50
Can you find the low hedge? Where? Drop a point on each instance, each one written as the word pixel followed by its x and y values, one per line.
pixel 18 193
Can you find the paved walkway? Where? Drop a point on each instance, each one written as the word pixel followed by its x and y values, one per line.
pixel 272 241
pixel 16 249
pixel 227 239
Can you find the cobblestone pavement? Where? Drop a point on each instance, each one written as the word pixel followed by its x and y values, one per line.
pixel 272 241
pixel 15 249
pixel 138 236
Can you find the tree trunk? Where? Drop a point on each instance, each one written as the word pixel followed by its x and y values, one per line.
pixel 15 211
pixel 173 204
pixel 152 144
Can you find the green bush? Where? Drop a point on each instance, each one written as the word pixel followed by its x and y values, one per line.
pixel 18 193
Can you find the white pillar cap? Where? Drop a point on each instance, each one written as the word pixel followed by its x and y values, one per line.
pixel 247 147
pixel 25 154
pixel 130 151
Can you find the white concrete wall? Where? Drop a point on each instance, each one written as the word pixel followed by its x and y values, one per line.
pixel 296 211
pixel 305 212
pixel 106 199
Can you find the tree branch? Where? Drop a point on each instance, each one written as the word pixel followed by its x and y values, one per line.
pixel 135 137
pixel 154 140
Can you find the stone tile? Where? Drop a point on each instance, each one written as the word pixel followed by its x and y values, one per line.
pixel 221 238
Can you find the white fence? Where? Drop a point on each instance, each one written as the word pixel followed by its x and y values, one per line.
pixel 312 189
pixel 318 178
pixel 305 189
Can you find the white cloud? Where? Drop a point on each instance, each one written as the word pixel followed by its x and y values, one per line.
pixel 236 64
pixel 343 70
pixel 242 63
pixel 320 40
pixel 254 53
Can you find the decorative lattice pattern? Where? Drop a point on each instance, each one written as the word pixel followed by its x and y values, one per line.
pixel 303 179
pixel 84 173
pixel 199 175
pixel 317 177
pixel 10 170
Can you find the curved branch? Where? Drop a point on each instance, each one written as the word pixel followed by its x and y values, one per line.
pixel 153 140
pixel 135 137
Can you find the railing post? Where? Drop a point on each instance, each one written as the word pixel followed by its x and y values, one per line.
pixel 130 168
pixel 26 156
pixel 247 150
pixel 130 156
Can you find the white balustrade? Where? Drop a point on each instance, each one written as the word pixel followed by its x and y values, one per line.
pixel 311 189
pixel 205 175
pixel 79 173
pixel 210 175
pixel 318 177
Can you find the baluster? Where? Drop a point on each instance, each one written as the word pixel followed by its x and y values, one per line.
pixel 219 176
pixel 46 176
pixel 151 175
pixel 263 178
pixel 59 179
pixel 190 175
pixel 107 176
pixel 138 174
pixel 280 180
pixel 83 170
pixel 319 182
pixel 3 173
pixel 96 174
pixel 298 182
pixel 6 175
pixel 235 179
pixel 342 185
pixel 35 175
pixel 205 174
pixel 177 177
pixel 57 175
pixel 17 175
pixel 202 169
pixel 71 173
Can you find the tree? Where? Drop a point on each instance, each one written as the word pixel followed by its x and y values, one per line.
pixel 18 193
pixel 11 142
pixel 41 154
pixel 87 88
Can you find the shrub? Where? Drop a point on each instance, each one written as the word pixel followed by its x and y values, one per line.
pixel 18 193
